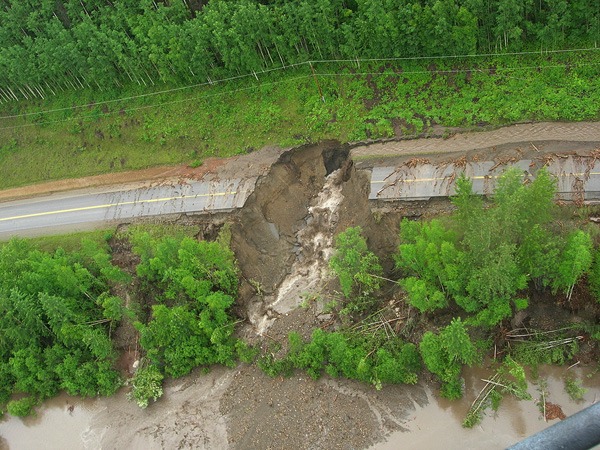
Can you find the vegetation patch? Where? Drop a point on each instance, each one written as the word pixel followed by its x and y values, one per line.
pixel 57 316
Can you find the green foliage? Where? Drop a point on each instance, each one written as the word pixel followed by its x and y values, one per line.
pixel 444 354
pixel 423 295
pixel 357 268
pixel 180 338
pixel 275 367
pixel 509 379
pixel 574 389
pixel 185 268
pixel 486 256
pixel 113 308
pixel 142 43
pixel 493 285
pixel 196 283
pixel 428 251
pixel 351 355
pixel 543 348
pixel 146 385
pixel 245 352
pixel 575 260
pixel 23 407
pixel 594 276
pixel 55 317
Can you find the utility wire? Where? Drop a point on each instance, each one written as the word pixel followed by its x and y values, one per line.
pixel 302 77
pixel 156 105
pixel 295 65
pixel 451 71
pixel 473 55
pixel 150 94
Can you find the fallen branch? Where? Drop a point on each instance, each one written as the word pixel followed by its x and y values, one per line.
pixel 534 333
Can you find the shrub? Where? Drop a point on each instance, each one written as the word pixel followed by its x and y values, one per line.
pixel 23 407
pixel 445 353
pixel 146 385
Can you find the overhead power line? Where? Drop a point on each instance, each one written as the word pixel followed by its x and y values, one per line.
pixel 472 55
pixel 156 105
pixel 451 71
pixel 151 94
pixel 286 67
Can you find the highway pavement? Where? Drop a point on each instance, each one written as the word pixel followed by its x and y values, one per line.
pixel 578 179
pixel 77 209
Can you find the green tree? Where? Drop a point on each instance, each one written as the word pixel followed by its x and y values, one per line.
pixel 53 328
pixel 444 354
pixel 195 283
pixel 146 385
pixel 357 268
pixel 594 276
pixel 575 260
pixel 493 285
pixel 428 253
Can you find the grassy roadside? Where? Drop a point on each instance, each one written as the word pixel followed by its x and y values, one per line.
pixel 71 242
pixel 285 108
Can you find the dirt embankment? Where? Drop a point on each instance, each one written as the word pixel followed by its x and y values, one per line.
pixel 285 230
pixel 283 239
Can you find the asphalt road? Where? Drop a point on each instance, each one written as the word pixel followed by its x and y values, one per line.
pixel 578 179
pixel 76 210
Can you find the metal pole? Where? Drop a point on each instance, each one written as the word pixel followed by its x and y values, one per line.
pixel 316 81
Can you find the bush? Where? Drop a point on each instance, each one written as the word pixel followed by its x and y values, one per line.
pixel 574 389
pixel 196 283
pixel 350 355
pixel 56 319
pixel 23 407
pixel 146 385
pixel 445 353
pixel 354 264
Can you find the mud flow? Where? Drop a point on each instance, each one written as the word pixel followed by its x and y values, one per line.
pixel 283 237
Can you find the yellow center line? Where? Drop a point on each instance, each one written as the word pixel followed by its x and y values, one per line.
pixel 108 205
pixel 477 177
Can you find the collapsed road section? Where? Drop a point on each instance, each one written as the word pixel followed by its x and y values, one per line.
pixel 291 180
pixel 577 177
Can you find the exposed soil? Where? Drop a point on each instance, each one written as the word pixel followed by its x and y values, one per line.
pixel 282 239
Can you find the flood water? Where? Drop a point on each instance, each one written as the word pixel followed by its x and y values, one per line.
pixel 436 425
pixel 439 423
pixel 54 426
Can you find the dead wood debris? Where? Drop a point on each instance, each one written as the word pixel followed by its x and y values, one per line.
pixel 414 162
pixel 553 411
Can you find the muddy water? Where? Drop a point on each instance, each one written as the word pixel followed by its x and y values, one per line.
pixel 438 424
pixel 190 408
pixel 188 412
pixel 54 426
